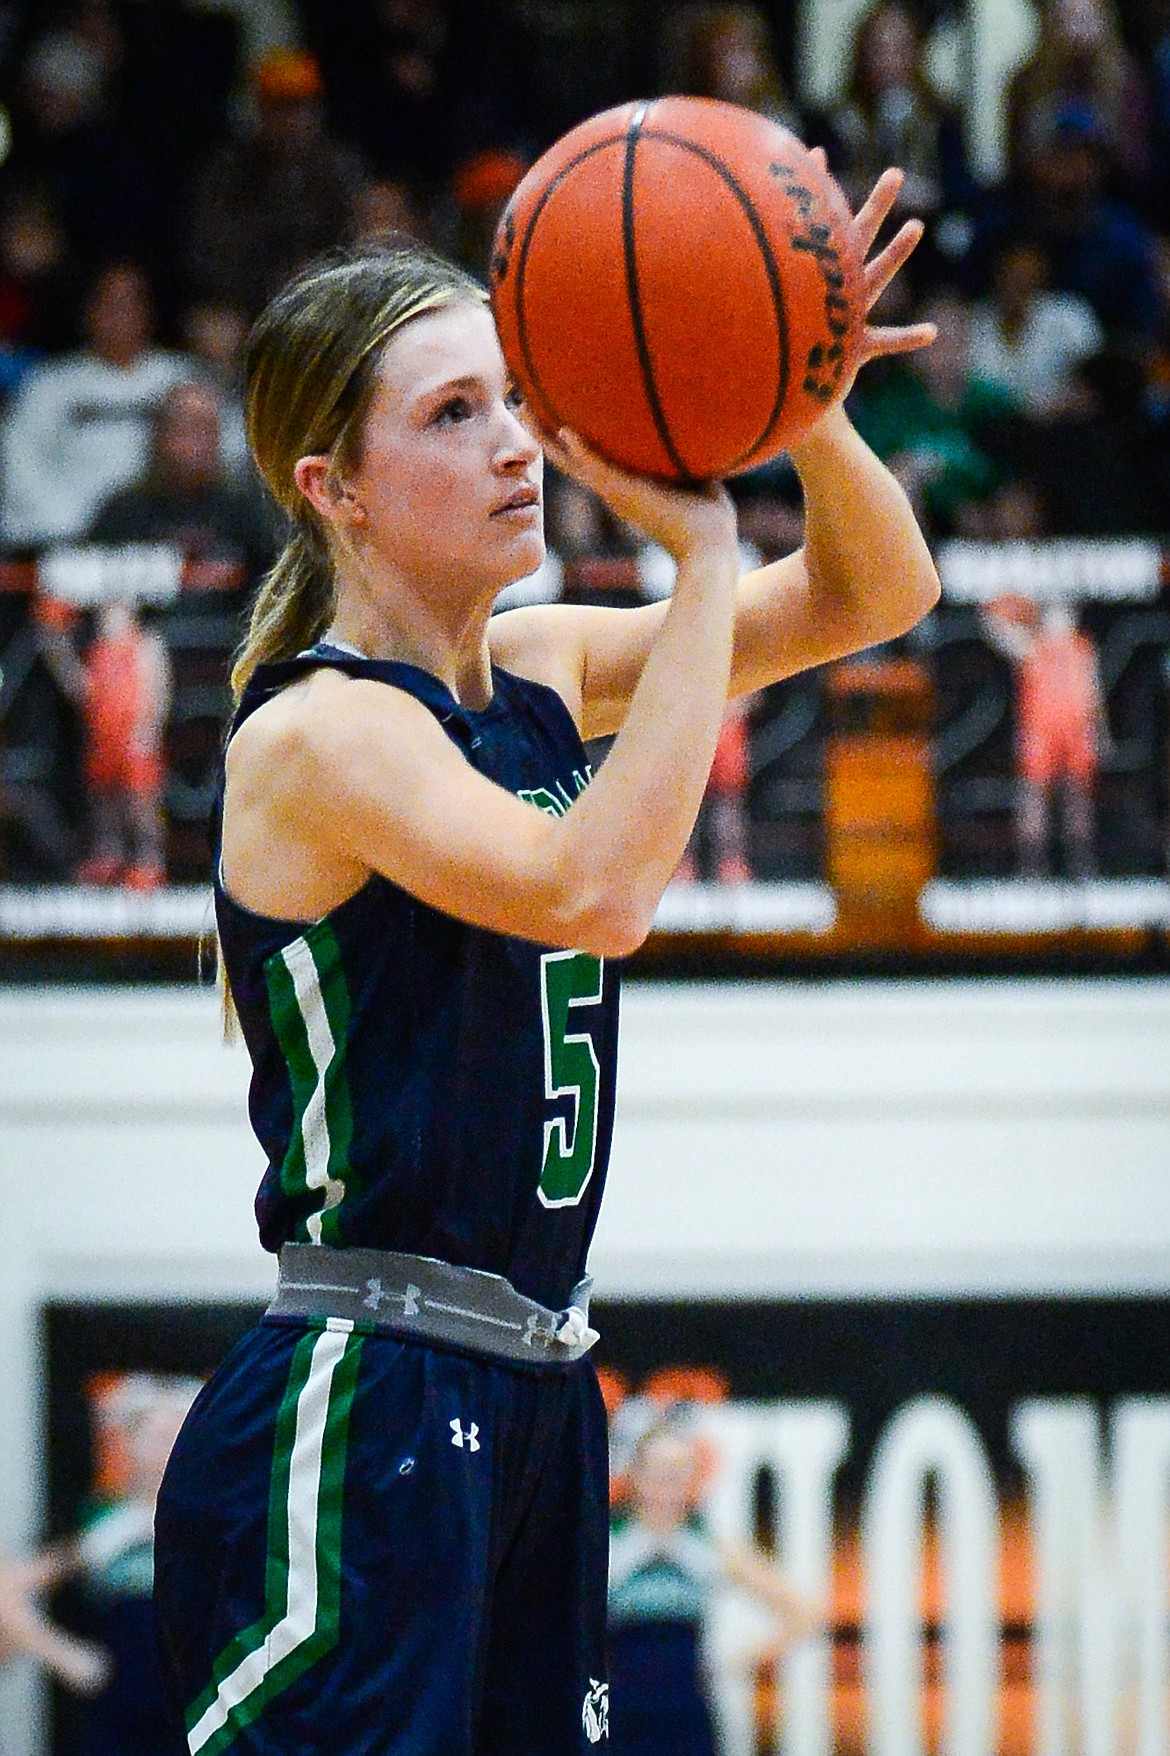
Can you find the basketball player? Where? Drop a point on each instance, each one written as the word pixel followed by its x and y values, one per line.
pixel 383 1528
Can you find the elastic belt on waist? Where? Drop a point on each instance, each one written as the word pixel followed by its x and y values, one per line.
pixel 430 1300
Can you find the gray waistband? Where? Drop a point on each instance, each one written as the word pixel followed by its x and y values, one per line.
pixel 422 1297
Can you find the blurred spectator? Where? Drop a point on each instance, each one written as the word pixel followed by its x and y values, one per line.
pixel 1093 464
pixel 1061 728
pixel 127 696
pixel 42 789
pixel 80 425
pixel 226 535
pixel 1015 513
pixel 1080 59
pixel 398 83
pixel 274 197
pixel 1157 401
pixel 177 76
pixel 1028 339
pixel 38 276
pixel 215 336
pixel 928 416
pixel 264 25
pixel 769 511
pixel 137 1418
pixel 67 142
pixel 1156 22
pixel 583 533
pixel 553 64
pixel 892 115
pixel 481 187
pixel 722 822
pixel 27 1630
pixel 184 499
pixel 726 52
pixel 1098 246
pixel 383 208
pixel 664 1572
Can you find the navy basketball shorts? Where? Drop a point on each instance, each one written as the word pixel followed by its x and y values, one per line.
pixel 375 1547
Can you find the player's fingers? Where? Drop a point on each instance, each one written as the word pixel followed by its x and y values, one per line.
pixel 898 339
pixel 570 453
pixel 881 199
pixel 558 448
pixel 885 265
pixel 818 154
pixel 574 458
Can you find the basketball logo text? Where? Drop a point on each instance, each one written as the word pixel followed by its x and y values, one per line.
pixel 825 361
pixel 505 243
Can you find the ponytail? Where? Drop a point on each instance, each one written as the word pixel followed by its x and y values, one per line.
pixel 293 607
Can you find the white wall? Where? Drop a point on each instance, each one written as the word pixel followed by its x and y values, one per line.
pixel 910 1137
pixel 840 1139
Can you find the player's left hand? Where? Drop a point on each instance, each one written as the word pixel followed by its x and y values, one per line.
pixel 884 338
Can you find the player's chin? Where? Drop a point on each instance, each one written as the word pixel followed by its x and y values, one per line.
pixel 520 547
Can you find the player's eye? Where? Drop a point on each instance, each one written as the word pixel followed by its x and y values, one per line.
pixel 453 410
pixel 514 397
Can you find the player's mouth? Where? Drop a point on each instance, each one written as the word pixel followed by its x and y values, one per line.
pixel 525 499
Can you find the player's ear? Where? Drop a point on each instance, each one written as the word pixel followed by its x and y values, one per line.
pixel 318 479
pixel 312 476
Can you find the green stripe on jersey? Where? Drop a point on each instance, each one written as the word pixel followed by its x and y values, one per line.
pixel 302 1587
pixel 308 999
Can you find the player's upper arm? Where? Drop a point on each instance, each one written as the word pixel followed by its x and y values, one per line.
pixel 364 773
pixel 595 657
pixel 592 657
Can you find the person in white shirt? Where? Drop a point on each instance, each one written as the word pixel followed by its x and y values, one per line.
pixel 1030 340
pixel 81 425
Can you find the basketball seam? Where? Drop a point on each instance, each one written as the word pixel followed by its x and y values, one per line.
pixel 525 246
pixel 633 293
pixel 770 269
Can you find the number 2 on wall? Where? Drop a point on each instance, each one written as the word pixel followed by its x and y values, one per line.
pixel 568 979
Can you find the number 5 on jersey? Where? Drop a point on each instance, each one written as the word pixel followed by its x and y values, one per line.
pixel 569 979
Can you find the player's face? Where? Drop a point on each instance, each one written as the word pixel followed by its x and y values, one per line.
pixel 449 475
pixel 664 1477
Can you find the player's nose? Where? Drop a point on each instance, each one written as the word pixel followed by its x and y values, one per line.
pixel 519 447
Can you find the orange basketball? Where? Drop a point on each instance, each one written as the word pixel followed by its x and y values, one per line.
pixel 676 281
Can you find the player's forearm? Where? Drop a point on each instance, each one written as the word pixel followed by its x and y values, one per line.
pixel 620 843
pixel 867 561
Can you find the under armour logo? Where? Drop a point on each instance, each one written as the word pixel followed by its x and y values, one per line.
pixel 595 1712
pixel 376 1296
pixel 537 1330
pixel 470 1438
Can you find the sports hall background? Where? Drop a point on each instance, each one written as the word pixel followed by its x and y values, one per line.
pixel 893 1156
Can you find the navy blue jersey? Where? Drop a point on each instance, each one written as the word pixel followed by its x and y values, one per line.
pixel 420 1084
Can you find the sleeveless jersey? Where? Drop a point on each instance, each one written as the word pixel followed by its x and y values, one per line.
pixel 420 1084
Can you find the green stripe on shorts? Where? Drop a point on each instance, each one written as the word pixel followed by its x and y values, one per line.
pixel 302 1583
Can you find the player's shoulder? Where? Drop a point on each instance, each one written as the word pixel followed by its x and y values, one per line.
pixel 307 728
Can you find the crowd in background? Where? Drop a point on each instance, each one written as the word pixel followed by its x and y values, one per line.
pixel 168 164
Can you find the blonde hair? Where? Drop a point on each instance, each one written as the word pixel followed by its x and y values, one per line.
pixel 310 371
pixel 311 368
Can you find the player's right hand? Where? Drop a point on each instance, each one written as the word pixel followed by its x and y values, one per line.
pixel 686 521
